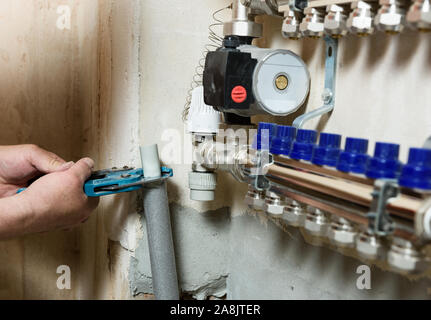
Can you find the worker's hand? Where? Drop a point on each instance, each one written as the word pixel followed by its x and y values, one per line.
pixel 19 164
pixel 57 200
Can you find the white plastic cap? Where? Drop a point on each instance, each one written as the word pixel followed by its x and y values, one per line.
pixel 202 118
pixel 202 186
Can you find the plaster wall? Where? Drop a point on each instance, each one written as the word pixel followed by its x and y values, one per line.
pixel 73 90
pixel 48 94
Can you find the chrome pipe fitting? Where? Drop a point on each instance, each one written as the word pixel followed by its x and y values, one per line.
pixel 255 199
pixel 419 15
pixel 361 19
pixel 342 233
pixel 335 21
pixel 290 27
pixel 274 204
pixel 294 214
pixel 369 246
pixel 404 257
pixel 316 222
pixel 391 16
pixel 312 25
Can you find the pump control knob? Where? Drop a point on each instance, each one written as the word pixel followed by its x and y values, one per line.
pixel 202 119
pixel 202 185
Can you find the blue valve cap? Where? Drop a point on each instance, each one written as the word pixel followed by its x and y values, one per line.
pixel 265 133
pixel 328 150
pixel 304 144
pixel 385 163
pixel 417 172
pixel 354 158
pixel 282 142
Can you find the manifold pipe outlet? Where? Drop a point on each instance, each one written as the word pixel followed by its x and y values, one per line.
pixel 159 230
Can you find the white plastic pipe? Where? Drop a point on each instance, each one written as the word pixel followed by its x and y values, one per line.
pixel 150 161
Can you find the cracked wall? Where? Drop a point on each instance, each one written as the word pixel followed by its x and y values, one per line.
pixel 202 246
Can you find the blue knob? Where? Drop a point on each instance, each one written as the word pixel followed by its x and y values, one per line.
pixel 282 142
pixel 354 157
pixel 265 132
pixel 417 172
pixel 385 163
pixel 304 144
pixel 328 150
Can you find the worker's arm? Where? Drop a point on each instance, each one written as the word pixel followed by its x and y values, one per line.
pixel 54 201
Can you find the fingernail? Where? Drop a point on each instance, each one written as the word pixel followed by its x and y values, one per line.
pixel 89 162
pixel 57 163
pixel 67 165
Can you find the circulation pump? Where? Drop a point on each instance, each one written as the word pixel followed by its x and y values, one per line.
pixel 247 80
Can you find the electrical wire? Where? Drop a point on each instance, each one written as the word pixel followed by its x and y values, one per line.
pixel 215 42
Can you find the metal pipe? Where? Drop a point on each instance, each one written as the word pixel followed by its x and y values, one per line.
pixel 309 167
pixel 268 7
pixel 159 230
pixel 239 11
pixel 242 23
pixel 403 206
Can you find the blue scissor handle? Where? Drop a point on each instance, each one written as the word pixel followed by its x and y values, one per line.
pixel 113 181
pixel 99 181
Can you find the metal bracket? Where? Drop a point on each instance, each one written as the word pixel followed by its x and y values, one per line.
pixel 328 95
pixel 380 222
pixel 263 160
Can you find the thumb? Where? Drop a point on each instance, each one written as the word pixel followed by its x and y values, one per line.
pixel 45 161
pixel 82 169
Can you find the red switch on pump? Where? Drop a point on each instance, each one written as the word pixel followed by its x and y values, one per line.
pixel 239 94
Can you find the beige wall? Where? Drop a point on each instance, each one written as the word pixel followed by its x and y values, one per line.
pixel 61 90
pixel 48 94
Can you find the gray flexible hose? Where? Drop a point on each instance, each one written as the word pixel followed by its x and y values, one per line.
pixel 159 229
pixel 163 269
